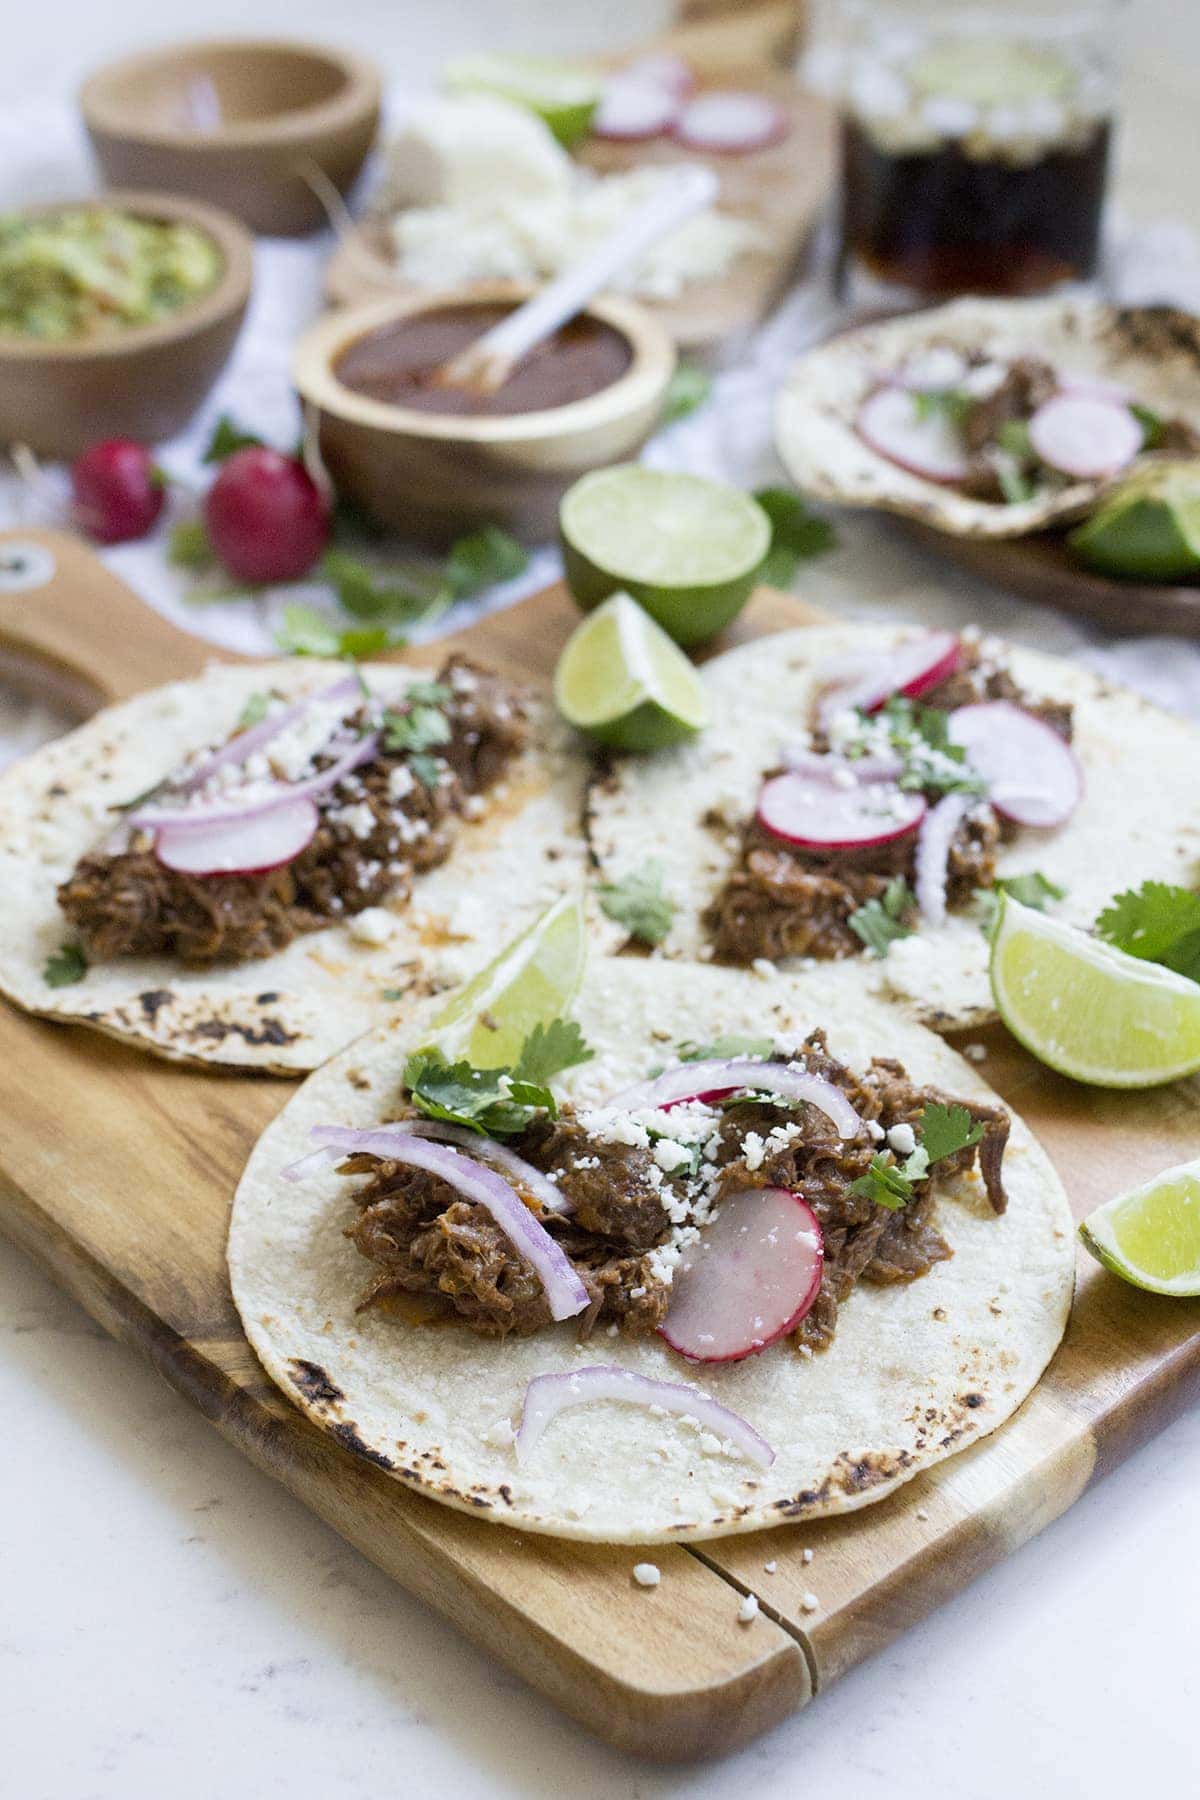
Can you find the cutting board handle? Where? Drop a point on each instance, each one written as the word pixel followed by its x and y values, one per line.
pixel 70 630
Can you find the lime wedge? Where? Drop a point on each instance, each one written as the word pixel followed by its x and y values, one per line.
pixel 533 981
pixel 562 96
pixel 689 549
pixel 622 680
pixel 1148 528
pixel 987 71
pixel 1151 1236
pixel 1089 1010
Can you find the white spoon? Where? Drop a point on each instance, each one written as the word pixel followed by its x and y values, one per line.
pixel 486 364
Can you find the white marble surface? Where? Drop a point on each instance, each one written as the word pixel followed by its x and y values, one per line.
pixel 171 1622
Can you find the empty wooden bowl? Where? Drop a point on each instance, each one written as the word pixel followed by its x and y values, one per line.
pixel 237 123
pixel 140 381
pixel 432 476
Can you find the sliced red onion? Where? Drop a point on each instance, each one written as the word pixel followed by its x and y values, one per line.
pixel 564 1290
pixel 817 814
pixel 488 1150
pixel 748 1280
pixel 548 1395
pixel 245 743
pixel 826 764
pixel 247 846
pixel 912 668
pixel 202 817
pixel 933 853
pixel 719 1075
pixel 1032 774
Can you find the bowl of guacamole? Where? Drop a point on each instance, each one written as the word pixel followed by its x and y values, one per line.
pixel 117 314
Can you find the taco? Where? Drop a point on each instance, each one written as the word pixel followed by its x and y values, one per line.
pixel 991 418
pixel 863 792
pixel 714 1255
pixel 249 867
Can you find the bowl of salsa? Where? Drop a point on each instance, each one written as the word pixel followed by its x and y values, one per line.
pixel 431 460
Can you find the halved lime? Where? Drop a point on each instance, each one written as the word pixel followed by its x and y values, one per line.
pixel 1151 1236
pixel 988 71
pixel 688 548
pixel 622 680
pixel 1089 1010
pixel 563 96
pixel 1148 527
pixel 533 981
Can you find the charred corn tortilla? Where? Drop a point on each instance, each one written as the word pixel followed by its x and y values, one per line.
pixel 1154 351
pixel 288 1012
pixel 914 1374
pixel 1138 820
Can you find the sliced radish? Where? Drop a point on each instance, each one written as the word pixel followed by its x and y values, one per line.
pixel 812 812
pixel 1083 437
pixel 662 70
pixel 1093 387
pixel 929 445
pixel 750 1277
pixel 829 767
pixel 632 109
pixel 731 122
pixel 912 668
pixel 931 865
pixel 1033 775
pixel 249 845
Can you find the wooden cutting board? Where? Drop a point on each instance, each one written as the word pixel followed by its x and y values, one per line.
pixel 117 1171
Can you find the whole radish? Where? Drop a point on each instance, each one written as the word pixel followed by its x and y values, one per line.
pixel 266 518
pixel 118 490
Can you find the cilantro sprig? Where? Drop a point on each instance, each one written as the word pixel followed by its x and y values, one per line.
pixel 920 736
pixel 880 922
pixel 944 1131
pixel 496 1102
pixel 1158 923
pixel 1031 889
pixel 796 534
pixel 723 1048
pixel 637 901
pixel 64 966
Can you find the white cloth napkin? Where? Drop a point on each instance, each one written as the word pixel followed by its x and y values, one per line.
pixel 874 572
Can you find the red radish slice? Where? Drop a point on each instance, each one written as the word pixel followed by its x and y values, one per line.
pixel 932 861
pixel 1033 775
pixel 751 1276
pixel 1083 437
pixel 1093 387
pixel 890 422
pixel 829 767
pixel 241 846
pixel 812 812
pixel 662 71
pixel 911 669
pixel 565 1292
pixel 731 122
pixel 632 109
pixel 548 1395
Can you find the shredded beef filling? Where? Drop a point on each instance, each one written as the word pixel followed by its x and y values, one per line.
pixel 127 903
pixel 780 900
pixel 424 1240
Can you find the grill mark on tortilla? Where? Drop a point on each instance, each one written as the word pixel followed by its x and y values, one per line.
pixel 312 1381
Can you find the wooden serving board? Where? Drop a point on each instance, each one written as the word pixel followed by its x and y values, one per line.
pixel 1042 568
pixel 125 1197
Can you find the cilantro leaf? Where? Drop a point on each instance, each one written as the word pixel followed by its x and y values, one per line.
pixel 1012 436
pixel 1031 889
pixel 1015 484
pixel 885 1183
pixel 366 594
pixel 1153 429
pixel 427 769
pixel 64 966
pixel 227 437
pixel 549 1049
pixel 920 735
pixel 688 388
pixel 723 1048
pixel 880 922
pixel 638 902
pixel 306 632
pixel 796 534
pixel 254 711
pixel 945 1130
pixel 188 546
pixel 419 727
pixel 950 403
pixel 427 693
pixel 1158 923
pixel 482 559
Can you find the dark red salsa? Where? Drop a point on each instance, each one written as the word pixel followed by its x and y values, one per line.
pixel 396 363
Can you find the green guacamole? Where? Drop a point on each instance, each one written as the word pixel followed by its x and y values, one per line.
pixel 97 270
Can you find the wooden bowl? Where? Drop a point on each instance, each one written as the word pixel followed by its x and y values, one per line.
pixel 236 123
pixel 144 382
pixel 432 476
